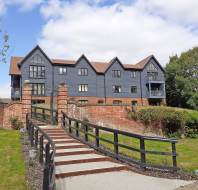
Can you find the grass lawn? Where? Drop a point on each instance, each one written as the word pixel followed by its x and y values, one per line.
pixel 12 168
pixel 187 150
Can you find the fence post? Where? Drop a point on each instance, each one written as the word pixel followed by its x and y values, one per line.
pixel 27 122
pixel 70 131
pixel 32 135
pixel 77 128
pixel 97 137
pixel 43 114
pixel 36 139
pixel 46 169
pixel 174 156
pixel 86 131
pixel 41 149
pixel 142 153
pixel 115 134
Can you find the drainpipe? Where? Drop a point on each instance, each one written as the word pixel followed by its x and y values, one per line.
pixel 105 89
pixel 141 88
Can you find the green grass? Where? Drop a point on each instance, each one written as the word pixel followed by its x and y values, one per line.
pixel 12 167
pixel 187 150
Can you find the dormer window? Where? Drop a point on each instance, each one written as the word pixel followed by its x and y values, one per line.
pixel 83 71
pixel 116 73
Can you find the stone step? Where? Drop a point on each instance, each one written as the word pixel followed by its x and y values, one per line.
pixel 71 170
pixel 74 152
pixel 71 146
pixel 67 144
pixel 87 160
pixel 77 157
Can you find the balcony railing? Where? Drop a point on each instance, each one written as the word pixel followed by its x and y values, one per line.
pixel 157 93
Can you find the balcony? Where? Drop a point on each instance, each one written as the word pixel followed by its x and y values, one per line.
pixel 157 94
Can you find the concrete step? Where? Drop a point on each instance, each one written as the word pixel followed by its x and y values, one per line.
pixel 86 160
pixel 71 170
pixel 69 153
pixel 77 157
pixel 71 146
pixel 67 144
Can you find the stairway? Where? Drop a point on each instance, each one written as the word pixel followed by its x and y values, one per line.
pixel 79 167
pixel 73 158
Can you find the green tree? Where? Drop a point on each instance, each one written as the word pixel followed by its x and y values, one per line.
pixel 4 46
pixel 182 80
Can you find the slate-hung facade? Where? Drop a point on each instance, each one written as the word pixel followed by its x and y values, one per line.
pixel 89 82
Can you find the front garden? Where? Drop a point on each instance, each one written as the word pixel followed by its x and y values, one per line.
pixel 12 166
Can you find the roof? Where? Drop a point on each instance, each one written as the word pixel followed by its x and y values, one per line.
pixel 100 67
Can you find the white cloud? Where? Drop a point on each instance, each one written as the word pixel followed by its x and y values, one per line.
pixel 5 91
pixel 128 31
pixel 182 11
pixel 24 5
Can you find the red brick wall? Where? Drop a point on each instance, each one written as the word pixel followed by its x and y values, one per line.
pixel 94 100
pixel 1 113
pixel 113 116
pixel 13 109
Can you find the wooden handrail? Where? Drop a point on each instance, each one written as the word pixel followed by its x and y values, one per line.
pixel 47 150
pixel 83 128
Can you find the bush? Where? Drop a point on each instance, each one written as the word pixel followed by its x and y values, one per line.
pixel 170 120
pixel 192 124
pixel 16 124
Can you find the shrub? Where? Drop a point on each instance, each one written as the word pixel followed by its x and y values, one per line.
pixel 169 119
pixel 16 124
pixel 192 124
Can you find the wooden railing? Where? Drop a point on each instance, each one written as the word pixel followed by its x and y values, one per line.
pixel 93 135
pixel 46 153
pixel 44 114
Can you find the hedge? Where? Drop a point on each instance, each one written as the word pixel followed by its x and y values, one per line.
pixel 171 120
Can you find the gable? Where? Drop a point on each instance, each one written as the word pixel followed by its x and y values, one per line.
pixel 37 50
pixel 153 65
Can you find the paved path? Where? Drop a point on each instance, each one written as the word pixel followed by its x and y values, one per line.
pixel 79 167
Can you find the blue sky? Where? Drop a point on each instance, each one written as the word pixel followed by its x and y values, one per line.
pixel 101 29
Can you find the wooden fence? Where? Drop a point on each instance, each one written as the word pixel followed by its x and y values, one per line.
pixel 46 153
pixel 92 135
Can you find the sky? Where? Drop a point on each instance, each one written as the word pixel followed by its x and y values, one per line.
pixel 100 29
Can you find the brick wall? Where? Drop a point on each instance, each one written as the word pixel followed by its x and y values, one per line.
pixel 17 109
pixel 2 105
pixel 13 109
pixel 94 100
pixel 112 116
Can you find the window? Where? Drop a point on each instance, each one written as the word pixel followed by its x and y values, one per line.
pixel 116 73
pixel 152 75
pixel 116 89
pixel 83 101
pixel 36 71
pixel 100 101
pixel 151 67
pixel 134 103
pixel 38 89
pixel 37 59
pixel 83 71
pixel 117 102
pixel 133 89
pixel 62 70
pixel 83 87
pixel 133 74
pixel 38 101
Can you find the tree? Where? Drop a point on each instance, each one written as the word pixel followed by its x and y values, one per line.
pixel 182 80
pixel 4 46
